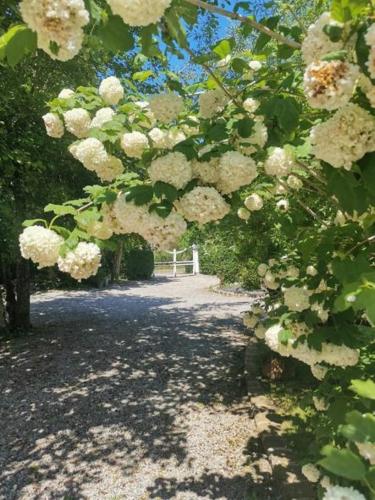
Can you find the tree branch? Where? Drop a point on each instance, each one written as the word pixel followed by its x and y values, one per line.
pixel 237 17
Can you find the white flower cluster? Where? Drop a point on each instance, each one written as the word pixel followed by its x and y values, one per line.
pixel 342 493
pixel 102 116
pixel 367 451
pixel 54 126
pixel 162 233
pixel 330 84
pixel 258 138
pixel 93 155
pixel 320 404
pixel 166 139
pixel 294 182
pixel 278 163
pixel 41 245
pixel 296 298
pixel 202 204
pixel 370 40
pixel 353 130
pixel 337 355
pixel 206 171
pixel 77 122
pixel 166 107
pixel 251 105
pixel 212 102
pixel 139 12
pixel 317 43
pixel 99 230
pixel 58 22
pixel 134 144
pixel 82 262
pixel 111 90
pixel 172 168
pixel 318 371
pixel 66 94
pixel 235 171
pixel 311 473
pixel 254 202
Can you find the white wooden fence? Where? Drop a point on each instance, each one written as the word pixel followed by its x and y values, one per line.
pixel 175 263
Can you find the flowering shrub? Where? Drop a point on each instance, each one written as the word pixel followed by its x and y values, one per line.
pixel 257 133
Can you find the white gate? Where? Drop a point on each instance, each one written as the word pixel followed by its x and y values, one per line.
pixel 175 263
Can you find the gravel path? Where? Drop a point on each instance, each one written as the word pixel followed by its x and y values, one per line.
pixel 128 393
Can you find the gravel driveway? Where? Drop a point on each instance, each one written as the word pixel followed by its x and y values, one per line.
pixel 131 393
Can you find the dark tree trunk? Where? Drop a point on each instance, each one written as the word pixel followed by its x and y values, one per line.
pixel 17 296
pixel 117 261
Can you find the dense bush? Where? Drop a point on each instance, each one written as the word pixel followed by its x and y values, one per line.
pixel 139 264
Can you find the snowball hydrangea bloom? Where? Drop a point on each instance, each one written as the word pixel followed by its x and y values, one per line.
pixel 164 233
pixel 159 138
pixel 294 182
pixel 283 205
pixel 316 43
pixel 54 126
pixel 111 90
pixel 90 152
pixel 367 451
pixel 99 230
pixel 243 213
pixel 41 245
pixel 353 130
pixel 251 105
pixel 101 117
pixel 342 493
pixel 262 269
pixel 311 473
pixel 318 371
pixel 254 202
pixel 202 205
pixel 320 404
pixel 139 12
pixel 131 218
pixel 296 299
pixel 260 332
pixel 59 22
pixel 66 94
pixel 77 122
pixel 235 171
pixel 134 144
pixel 110 169
pixel 250 320
pixel 82 262
pixel 330 84
pixel 206 171
pixel 173 168
pixel 278 163
pixel 166 107
pixel 212 102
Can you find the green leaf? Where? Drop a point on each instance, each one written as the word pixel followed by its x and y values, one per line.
pixel 345 10
pixel 343 463
pixel 164 189
pixel 116 35
pixel 141 76
pixel 224 48
pixel 140 194
pixel 16 43
pixel 285 336
pixel 338 55
pixel 333 32
pixel 32 222
pixel 174 27
pixel 364 388
pixel 360 427
pixel 60 209
pixel 366 165
pixel 287 112
pixel 245 127
pixel 163 209
pixel 94 10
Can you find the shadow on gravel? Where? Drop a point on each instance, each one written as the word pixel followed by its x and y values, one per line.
pixel 69 390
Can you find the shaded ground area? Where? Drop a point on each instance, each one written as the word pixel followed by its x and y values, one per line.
pixel 127 393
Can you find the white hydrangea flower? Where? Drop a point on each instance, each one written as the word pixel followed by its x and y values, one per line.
pixel 292 272
pixel 66 94
pixel 342 493
pixel 202 205
pixel 367 88
pixel 325 482
pixel 130 218
pixel 243 213
pixel 235 171
pixel 60 22
pixel 330 84
pixel 54 125
pixel 255 65
pixel 206 171
pixel 316 43
pixel 190 129
pixel 159 138
pixel 340 218
pixel 294 182
pixel 367 451
pixel 353 129
pixel 212 102
pixel 270 282
pixel 139 12
pixel 77 122
pixel 134 144
pixel 283 205
pixel 165 233
pixel 320 404
pixel 260 332
pixel 254 202
pixel 311 473
pixel 279 163
pixel 250 320
pixel 111 90
pixel 41 245
pixel 251 105
pixel 90 152
pixel 166 107
pixel 173 168
pixel 101 117
pixel 262 269
pixel 258 138
pixel 98 229
pixel 224 63
pixel 296 298
pixel 110 169
pixel 370 40
pixel 311 271
pixel 318 371
pixel 323 314
pixel 82 262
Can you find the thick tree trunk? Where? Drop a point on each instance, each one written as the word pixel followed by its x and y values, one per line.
pixel 117 261
pixel 17 297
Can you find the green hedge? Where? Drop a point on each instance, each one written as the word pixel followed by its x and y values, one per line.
pixel 139 264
